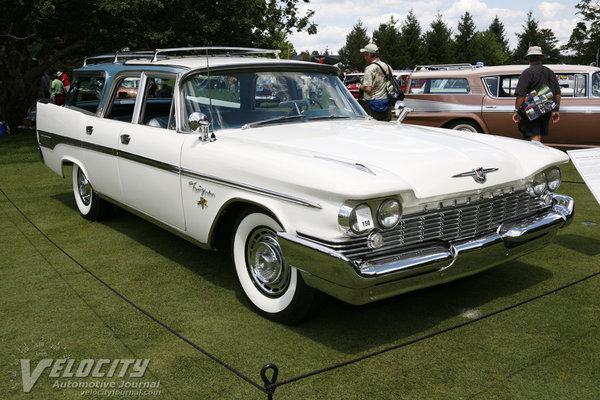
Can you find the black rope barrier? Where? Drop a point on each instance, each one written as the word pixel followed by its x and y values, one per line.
pixel 271 384
pixel 430 335
pixel 131 303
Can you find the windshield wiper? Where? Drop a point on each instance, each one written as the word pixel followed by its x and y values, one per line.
pixel 274 120
pixel 331 117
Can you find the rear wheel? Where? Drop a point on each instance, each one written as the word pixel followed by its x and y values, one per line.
pixel 275 289
pixel 469 126
pixel 90 205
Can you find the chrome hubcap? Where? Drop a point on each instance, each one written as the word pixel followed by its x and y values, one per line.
pixel 85 189
pixel 265 262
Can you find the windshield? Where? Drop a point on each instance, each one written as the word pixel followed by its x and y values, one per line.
pixel 246 99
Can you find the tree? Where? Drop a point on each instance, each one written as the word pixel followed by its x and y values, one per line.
pixel 487 49
pixel 533 36
pixel 585 38
pixel 463 41
pixel 411 42
pixel 350 54
pixel 37 35
pixel 438 41
pixel 387 38
pixel 497 28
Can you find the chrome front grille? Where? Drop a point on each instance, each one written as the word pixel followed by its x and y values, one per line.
pixel 446 224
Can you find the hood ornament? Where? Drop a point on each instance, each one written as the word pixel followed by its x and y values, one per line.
pixel 478 174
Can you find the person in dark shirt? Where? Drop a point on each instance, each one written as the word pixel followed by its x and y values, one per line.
pixel 533 78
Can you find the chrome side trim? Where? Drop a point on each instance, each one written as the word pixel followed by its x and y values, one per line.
pixel 431 106
pixel 248 188
pixel 149 162
pixel 51 140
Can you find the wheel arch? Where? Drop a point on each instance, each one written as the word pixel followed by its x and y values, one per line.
pixel 68 162
pixel 224 223
pixel 473 120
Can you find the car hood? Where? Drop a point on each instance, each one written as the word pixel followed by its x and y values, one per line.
pixel 387 157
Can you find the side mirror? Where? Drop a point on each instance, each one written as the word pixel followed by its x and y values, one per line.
pixel 198 123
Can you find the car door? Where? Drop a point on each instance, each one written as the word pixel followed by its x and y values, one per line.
pixel 579 111
pixel 149 152
pixel 82 137
pixel 499 103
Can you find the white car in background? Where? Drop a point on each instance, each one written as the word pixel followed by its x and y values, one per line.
pixel 313 195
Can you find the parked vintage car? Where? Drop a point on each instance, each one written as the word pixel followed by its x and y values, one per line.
pixel 482 99
pixel 312 194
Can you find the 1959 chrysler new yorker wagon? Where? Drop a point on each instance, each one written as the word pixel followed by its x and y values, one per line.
pixel 313 195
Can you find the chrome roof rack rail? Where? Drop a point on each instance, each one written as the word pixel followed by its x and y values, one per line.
pixel 119 55
pixel 228 51
pixel 445 67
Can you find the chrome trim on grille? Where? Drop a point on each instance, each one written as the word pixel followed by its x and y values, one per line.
pixel 446 224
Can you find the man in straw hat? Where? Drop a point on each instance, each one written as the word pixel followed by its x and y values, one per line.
pixel 373 86
pixel 536 77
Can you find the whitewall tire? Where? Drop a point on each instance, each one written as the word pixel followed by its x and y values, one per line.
pixel 274 288
pixel 88 202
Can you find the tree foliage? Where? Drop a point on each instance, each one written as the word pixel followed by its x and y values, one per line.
pixel 39 35
pixel 350 54
pixel 411 42
pixel 463 42
pixel 585 38
pixel 497 28
pixel 438 41
pixel 387 38
pixel 532 35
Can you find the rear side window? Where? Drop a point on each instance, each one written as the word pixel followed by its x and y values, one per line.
pixel 85 93
pixel 123 102
pixel 508 84
pixel 596 84
pixel 440 86
pixel 572 85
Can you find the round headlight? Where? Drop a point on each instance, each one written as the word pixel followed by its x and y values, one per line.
pixel 388 214
pixel 539 183
pixel 553 178
pixel 361 220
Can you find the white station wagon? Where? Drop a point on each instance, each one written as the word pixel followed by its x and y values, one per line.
pixel 277 159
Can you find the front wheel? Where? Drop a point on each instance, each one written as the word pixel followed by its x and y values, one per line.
pixel 275 289
pixel 88 202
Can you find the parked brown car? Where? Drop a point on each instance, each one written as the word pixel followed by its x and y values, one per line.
pixel 482 99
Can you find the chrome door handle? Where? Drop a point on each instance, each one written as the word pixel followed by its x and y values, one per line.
pixel 125 139
pixel 89 129
pixel 489 107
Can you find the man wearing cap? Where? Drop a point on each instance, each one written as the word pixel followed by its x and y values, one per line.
pixel 373 87
pixel 534 78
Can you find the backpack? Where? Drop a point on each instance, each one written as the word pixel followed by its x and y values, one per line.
pixel 393 89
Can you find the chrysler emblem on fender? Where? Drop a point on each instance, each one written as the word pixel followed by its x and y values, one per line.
pixel 478 174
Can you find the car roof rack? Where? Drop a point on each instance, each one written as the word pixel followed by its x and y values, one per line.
pixel 224 51
pixel 153 55
pixel 445 67
pixel 119 55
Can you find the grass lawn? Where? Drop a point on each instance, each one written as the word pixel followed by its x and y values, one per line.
pixel 52 309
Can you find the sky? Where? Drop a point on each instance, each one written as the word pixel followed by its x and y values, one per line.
pixel 335 18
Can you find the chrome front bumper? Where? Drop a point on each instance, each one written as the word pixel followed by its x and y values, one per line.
pixel 360 283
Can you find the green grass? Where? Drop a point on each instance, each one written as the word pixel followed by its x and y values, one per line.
pixel 51 308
